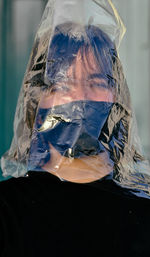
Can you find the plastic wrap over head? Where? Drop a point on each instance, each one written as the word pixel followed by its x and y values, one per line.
pixel 74 116
pixel 100 13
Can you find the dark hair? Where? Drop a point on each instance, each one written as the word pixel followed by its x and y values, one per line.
pixel 63 50
pixel 61 53
pixel 64 47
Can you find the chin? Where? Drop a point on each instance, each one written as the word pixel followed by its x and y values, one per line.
pixel 80 170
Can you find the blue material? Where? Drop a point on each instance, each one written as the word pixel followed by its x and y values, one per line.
pixel 76 126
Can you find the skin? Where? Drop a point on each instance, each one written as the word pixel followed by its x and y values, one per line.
pixel 78 87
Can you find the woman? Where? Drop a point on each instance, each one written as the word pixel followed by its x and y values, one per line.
pixel 79 96
pixel 73 121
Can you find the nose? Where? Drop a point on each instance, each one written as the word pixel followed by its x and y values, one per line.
pixel 80 91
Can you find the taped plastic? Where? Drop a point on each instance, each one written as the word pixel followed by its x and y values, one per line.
pixel 74 116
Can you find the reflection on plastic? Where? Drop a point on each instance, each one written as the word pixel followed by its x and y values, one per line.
pixel 74 116
pixel 73 129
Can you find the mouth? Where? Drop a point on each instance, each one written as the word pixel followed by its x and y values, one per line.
pixel 77 152
pixel 85 146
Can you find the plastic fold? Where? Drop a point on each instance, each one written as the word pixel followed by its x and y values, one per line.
pixel 74 116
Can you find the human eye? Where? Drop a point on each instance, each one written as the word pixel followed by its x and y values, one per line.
pixel 98 85
pixel 92 85
pixel 60 88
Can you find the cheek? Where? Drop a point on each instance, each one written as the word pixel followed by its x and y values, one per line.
pixel 56 98
pixel 98 94
pixel 52 100
pixel 46 101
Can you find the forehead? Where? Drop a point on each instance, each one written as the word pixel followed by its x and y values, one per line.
pixel 84 65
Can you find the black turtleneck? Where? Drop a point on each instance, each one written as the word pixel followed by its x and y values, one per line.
pixel 42 216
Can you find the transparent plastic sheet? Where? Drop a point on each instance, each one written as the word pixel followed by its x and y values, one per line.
pixel 74 116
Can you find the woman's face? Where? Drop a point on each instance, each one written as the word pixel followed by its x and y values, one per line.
pixel 84 82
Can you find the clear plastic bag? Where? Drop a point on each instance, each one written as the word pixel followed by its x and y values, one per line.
pixel 74 116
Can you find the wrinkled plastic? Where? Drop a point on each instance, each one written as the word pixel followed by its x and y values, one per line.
pixel 74 116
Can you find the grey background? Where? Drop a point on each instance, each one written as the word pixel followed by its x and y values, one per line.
pixel 135 55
